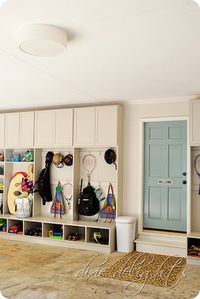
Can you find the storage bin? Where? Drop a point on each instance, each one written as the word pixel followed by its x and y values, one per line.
pixel 126 229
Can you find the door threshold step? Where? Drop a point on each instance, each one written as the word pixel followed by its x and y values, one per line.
pixel 166 236
pixel 162 244
pixel 152 241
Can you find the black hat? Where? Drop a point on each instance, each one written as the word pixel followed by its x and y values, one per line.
pixel 68 160
pixel 110 156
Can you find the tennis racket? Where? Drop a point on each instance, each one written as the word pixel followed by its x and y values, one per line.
pixel 197 168
pixel 89 162
pixel 67 190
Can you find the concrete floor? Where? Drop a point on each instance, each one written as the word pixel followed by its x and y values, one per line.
pixel 30 271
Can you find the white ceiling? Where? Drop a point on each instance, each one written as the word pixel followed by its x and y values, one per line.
pixel 119 50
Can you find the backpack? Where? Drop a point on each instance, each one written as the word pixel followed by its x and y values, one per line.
pixel 43 181
pixel 88 204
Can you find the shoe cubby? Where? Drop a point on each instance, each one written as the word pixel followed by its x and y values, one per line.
pixel 74 233
pixel 97 235
pixel 15 226
pixel 32 228
pixel 53 231
pixel 193 247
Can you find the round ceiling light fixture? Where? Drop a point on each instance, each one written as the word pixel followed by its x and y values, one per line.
pixel 197 2
pixel 2 2
pixel 42 40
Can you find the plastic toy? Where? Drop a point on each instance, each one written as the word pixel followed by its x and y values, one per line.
pixel 3 225
pixel 55 233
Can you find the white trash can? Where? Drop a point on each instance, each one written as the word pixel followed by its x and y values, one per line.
pixel 126 227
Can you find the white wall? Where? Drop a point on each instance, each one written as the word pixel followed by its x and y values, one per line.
pixel 132 140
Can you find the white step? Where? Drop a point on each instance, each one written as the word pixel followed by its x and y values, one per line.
pixel 162 243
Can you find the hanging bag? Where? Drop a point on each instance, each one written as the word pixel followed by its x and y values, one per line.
pixel 43 182
pixel 57 206
pixel 109 210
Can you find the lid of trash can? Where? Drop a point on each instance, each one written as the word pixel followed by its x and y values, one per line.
pixel 126 219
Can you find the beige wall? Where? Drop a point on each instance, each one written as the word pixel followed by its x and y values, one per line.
pixel 132 140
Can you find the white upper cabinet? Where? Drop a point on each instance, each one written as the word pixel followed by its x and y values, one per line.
pixel 44 125
pixel 84 126
pixel 2 131
pixel 97 126
pixel 26 132
pixel 12 130
pixel 53 128
pixel 107 125
pixel 195 122
pixel 63 127
pixel 19 129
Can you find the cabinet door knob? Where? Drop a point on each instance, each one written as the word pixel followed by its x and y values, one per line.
pixel 184 182
pixel 184 173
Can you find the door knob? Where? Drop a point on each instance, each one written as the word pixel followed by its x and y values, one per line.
pixel 184 173
pixel 184 182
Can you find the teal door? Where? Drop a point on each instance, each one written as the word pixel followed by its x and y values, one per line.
pixel 165 177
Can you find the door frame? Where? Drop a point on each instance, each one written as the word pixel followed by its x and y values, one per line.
pixel 141 169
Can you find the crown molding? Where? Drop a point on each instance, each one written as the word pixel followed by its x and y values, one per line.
pixel 161 100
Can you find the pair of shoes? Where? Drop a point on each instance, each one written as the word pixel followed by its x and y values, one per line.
pixel 73 237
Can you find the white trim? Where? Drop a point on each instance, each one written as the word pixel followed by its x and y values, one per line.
pixel 161 100
pixel 141 168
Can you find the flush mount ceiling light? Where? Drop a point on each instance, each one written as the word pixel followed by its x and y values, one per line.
pixel 197 1
pixel 42 40
pixel 2 2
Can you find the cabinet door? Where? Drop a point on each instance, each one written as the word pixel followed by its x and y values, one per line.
pixel 107 126
pixel 2 127
pixel 26 129
pixel 84 126
pixel 44 125
pixel 195 122
pixel 63 127
pixel 12 130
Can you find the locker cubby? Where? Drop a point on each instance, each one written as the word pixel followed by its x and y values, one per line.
pixel 63 175
pixel 53 231
pixel 103 232
pixel 74 233
pixel 15 226
pixel 32 228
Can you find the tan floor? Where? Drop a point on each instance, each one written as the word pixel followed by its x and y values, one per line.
pixel 30 271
